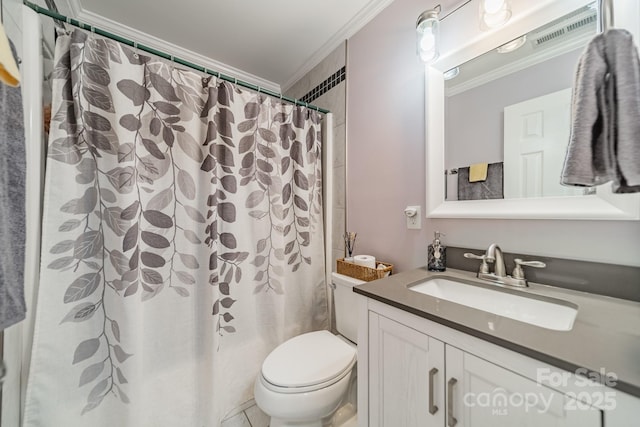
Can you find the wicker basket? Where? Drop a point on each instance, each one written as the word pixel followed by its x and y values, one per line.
pixel 363 273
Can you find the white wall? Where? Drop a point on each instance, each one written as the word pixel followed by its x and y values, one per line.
pixel 385 164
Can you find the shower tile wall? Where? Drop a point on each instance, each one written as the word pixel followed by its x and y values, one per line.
pixel 325 87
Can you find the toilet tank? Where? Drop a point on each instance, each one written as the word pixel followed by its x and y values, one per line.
pixel 345 303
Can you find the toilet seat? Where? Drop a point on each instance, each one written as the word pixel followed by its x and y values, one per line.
pixel 308 362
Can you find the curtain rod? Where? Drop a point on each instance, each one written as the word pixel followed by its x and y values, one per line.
pixel 164 55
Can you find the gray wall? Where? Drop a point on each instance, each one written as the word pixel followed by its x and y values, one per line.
pixel 386 158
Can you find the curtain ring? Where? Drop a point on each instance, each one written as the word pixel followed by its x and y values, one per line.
pixel 135 53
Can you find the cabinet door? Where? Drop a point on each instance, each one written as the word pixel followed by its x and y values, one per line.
pixel 481 394
pixel 406 376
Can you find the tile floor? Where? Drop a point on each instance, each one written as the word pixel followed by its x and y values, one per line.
pixel 250 417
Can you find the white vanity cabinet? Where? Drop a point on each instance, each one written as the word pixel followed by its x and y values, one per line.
pixel 405 367
pixel 484 394
pixel 416 372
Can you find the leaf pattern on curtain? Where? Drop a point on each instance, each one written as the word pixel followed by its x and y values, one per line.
pixel 270 161
pixel 146 149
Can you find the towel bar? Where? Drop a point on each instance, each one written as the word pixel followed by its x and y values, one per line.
pixel 605 15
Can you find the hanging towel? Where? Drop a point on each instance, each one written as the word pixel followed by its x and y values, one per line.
pixel 605 126
pixel 12 210
pixel 9 73
pixel 478 172
pixel 491 188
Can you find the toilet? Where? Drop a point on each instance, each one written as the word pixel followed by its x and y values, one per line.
pixel 309 380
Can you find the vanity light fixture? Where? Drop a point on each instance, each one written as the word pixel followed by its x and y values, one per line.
pixel 494 13
pixel 512 45
pixel 428 35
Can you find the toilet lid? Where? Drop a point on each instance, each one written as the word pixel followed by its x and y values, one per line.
pixel 308 359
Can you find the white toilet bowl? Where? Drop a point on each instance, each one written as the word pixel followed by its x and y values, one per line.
pixel 305 379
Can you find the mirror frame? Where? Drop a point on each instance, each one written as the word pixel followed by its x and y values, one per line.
pixel 462 41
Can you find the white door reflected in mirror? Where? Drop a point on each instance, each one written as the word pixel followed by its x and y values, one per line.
pixel 536 133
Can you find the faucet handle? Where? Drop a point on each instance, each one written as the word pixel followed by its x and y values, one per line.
pixel 484 268
pixel 518 272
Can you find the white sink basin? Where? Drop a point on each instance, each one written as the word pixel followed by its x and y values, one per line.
pixel 538 312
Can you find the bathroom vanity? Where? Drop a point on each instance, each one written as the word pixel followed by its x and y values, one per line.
pixel 426 361
pixel 459 351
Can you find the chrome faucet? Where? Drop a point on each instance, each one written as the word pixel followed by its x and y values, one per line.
pixel 494 255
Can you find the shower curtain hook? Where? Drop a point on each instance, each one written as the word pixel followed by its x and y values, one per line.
pixel 135 53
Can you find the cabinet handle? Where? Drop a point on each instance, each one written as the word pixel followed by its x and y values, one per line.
pixel 451 420
pixel 432 408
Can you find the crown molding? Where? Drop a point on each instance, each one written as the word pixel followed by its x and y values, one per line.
pixel 141 37
pixel 349 29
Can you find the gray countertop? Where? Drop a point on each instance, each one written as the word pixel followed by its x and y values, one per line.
pixel 605 336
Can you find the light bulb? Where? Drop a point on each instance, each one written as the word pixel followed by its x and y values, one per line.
pixel 428 40
pixel 512 45
pixel 428 34
pixel 452 73
pixel 492 6
pixel 494 13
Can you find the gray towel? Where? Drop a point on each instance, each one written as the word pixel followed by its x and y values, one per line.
pixel 12 200
pixel 491 188
pixel 605 126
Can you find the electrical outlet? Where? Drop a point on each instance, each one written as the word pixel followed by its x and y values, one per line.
pixel 414 217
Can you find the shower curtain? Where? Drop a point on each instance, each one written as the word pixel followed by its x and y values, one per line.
pixel 182 241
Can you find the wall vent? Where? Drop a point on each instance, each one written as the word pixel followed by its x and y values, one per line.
pixel 581 23
pixel 564 29
pixel 550 36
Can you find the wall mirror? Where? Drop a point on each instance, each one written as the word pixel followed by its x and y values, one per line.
pixel 508 110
